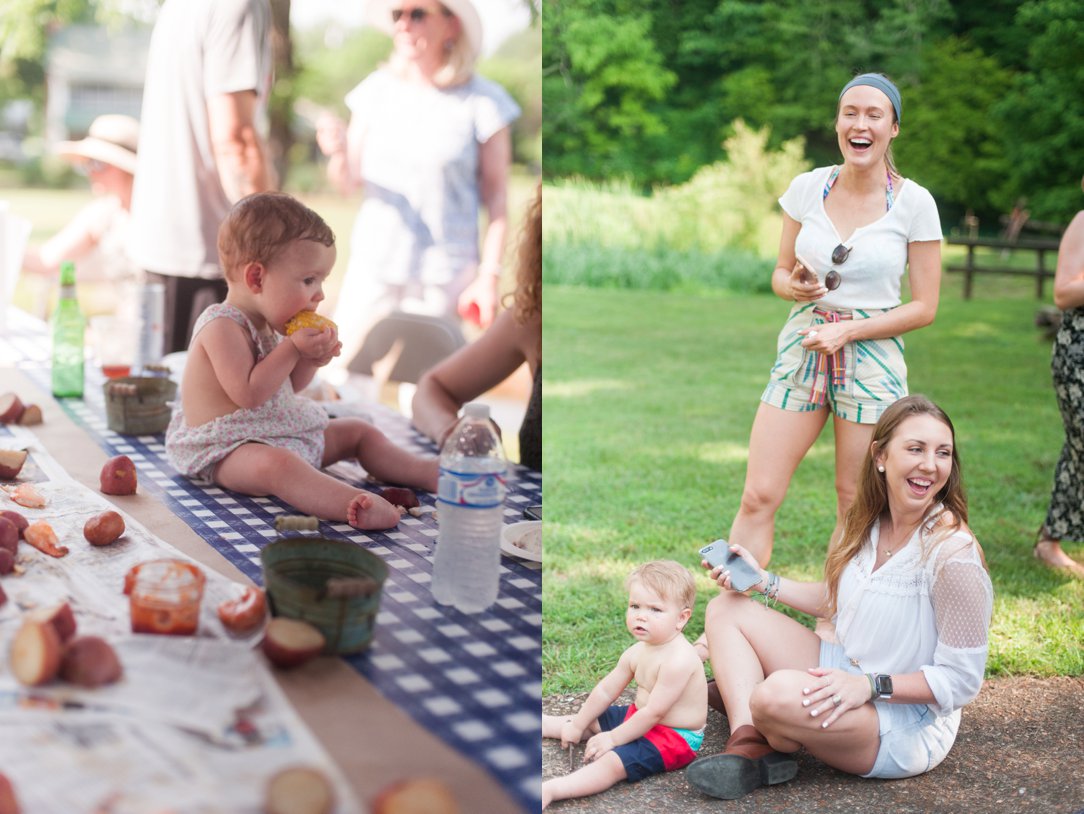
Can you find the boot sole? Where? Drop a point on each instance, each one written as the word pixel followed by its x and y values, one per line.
pixel 732 776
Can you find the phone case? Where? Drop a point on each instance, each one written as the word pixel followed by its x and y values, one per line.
pixel 742 575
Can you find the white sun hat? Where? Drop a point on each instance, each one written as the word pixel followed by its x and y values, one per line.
pixel 112 139
pixel 378 15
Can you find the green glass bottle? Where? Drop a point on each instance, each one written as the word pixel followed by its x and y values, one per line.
pixel 69 325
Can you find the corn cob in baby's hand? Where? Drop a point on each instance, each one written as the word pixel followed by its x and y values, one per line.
pixel 308 319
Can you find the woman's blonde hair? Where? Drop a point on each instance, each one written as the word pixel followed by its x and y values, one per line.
pixel 871 502
pixel 458 64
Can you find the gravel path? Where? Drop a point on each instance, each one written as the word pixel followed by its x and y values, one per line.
pixel 1020 749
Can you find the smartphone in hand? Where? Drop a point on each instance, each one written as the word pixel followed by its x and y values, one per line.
pixel 743 576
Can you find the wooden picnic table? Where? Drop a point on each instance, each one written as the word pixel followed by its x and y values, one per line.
pixel 439 694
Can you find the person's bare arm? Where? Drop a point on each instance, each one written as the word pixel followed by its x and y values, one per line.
pixel 342 146
pixel 1069 278
pixel 240 152
pixel 245 381
pixel 72 242
pixel 467 374
pixel 495 157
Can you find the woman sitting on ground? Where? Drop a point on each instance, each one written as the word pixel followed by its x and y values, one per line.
pixel 907 588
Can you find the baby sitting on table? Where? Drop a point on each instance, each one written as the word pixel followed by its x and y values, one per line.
pixel 664 729
pixel 241 423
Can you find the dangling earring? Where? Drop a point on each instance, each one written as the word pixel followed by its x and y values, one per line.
pixel 881 469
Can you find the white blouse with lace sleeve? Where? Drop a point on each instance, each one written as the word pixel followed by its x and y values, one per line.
pixel 928 608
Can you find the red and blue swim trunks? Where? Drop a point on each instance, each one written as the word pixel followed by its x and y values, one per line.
pixel 660 749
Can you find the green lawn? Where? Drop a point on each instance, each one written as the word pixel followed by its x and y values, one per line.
pixel 649 398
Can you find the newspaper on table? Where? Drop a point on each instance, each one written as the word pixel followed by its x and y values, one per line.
pixel 196 724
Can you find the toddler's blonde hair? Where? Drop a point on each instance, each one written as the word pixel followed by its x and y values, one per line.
pixel 669 579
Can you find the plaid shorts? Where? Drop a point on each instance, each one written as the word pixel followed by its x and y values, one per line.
pixel 871 373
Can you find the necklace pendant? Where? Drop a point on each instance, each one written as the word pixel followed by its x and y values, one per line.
pixel 887 553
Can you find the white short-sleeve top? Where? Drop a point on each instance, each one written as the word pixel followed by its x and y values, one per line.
pixel 871 274
pixel 420 166
pixel 925 610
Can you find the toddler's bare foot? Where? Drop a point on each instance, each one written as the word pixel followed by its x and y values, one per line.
pixel 372 513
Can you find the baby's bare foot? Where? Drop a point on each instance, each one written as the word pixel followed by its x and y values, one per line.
pixel 372 513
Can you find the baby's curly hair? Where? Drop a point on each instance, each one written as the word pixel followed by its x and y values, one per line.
pixel 260 226
pixel 527 299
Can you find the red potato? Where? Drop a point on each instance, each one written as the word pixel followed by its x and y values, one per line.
pixel 90 661
pixel 400 496
pixel 35 653
pixel 3 596
pixel 422 795
pixel 119 476
pixel 291 642
pixel 104 528
pixel 9 803
pixel 11 408
pixel 20 522
pixel 244 613
pixel 31 416
pixel 7 561
pixel 9 536
pixel 59 616
pixel 43 538
pixel 299 790
pixel 11 463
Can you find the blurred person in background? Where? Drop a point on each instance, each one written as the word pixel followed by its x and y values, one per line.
pixel 96 238
pixel 514 337
pixel 208 78
pixel 1065 517
pixel 429 144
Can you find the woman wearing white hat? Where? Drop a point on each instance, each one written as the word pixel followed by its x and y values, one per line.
pixel 429 143
pixel 96 237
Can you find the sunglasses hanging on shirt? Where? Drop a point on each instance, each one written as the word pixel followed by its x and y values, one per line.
pixel 839 256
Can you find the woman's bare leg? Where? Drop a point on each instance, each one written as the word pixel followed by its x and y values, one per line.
pixel 852 443
pixel 849 744
pixel 259 469
pixel 384 460
pixel 746 642
pixel 778 442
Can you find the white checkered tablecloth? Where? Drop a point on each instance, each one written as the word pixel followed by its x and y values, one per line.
pixel 473 680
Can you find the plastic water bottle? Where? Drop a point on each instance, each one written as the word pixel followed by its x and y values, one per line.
pixel 69 326
pixel 470 498
pixel 152 317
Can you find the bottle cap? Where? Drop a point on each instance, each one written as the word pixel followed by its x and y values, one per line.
pixel 67 273
pixel 475 409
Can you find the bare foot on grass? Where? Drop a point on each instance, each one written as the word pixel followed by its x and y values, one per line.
pixel 1049 552
pixel 372 513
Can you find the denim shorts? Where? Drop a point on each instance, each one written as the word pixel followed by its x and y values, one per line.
pixel 873 371
pixel 913 738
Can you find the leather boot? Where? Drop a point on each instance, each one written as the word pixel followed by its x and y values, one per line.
pixel 746 763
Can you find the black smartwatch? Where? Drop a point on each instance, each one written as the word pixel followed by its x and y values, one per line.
pixel 882 686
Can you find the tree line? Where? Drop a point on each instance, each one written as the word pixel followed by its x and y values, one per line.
pixel 647 91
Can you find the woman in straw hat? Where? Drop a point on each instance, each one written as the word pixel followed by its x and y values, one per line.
pixel 429 143
pixel 96 237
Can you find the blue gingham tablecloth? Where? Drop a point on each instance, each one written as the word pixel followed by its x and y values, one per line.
pixel 473 680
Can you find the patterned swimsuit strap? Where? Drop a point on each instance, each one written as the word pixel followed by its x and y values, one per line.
pixel 890 192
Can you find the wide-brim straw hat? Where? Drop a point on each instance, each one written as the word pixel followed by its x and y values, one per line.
pixel 378 15
pixel 112 139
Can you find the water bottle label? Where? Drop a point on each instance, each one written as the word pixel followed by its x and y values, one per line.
pixel 472 490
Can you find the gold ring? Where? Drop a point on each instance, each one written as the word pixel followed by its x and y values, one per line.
pixel 836 700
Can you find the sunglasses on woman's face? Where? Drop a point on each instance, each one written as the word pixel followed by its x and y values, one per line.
pixel 416 15
pixel 839 256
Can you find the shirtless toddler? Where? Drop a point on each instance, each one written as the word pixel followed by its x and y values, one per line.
pixel 664 728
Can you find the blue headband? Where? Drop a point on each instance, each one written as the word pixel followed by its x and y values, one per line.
pixel 883 84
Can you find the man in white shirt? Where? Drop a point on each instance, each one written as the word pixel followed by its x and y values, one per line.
pixel 207 83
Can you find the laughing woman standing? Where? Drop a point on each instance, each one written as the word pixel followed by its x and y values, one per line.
pixel 429 144
pixel 849 234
